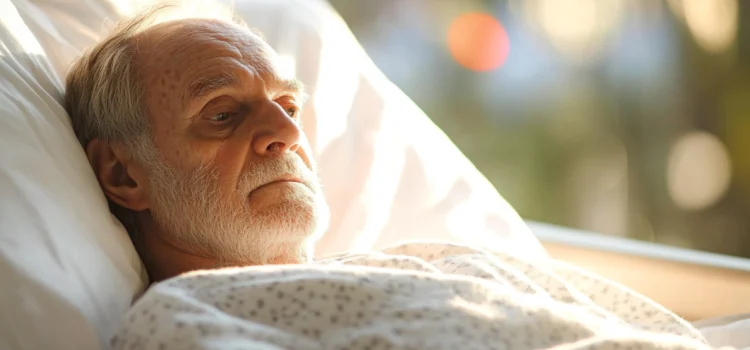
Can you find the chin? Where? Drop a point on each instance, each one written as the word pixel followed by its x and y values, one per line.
pixel 282 231
pixel 297 217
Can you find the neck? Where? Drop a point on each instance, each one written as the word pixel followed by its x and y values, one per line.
pixel 164 258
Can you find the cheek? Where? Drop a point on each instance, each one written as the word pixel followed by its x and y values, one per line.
pixel 180 154
pixel 230 159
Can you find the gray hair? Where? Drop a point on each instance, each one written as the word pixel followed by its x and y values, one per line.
pixel 104 96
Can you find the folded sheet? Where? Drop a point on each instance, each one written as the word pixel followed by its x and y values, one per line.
pixel 412 296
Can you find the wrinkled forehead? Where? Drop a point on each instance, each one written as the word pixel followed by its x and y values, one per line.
pixel 175 37
pixel 172 55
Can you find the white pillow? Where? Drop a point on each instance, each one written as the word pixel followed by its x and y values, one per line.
pixel 67 266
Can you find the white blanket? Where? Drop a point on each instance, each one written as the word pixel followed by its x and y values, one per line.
pixel 413 296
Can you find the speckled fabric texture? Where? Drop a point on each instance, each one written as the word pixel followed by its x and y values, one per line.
pixel 412 296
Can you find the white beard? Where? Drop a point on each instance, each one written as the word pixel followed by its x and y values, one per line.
pixel 188 206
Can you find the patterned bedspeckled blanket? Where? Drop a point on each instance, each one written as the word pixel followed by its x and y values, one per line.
pixel 412 296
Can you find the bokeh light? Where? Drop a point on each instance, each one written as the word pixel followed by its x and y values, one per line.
pixel 478 41
pixel 712 22
pixel 577 28
pixel 698 171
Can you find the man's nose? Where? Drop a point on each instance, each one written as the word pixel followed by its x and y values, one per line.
pixel 278 132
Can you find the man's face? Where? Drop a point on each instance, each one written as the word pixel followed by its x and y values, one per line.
pixel 233 178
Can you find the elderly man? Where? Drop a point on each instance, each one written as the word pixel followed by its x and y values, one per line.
pixel 196 141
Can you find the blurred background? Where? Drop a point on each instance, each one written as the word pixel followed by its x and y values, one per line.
pixel 624 117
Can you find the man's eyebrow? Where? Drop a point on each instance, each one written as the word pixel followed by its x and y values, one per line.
pixel 205 86
pixel 290 86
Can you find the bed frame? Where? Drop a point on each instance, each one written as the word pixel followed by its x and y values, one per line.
pixel 696 285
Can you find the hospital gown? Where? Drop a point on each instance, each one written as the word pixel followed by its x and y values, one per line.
pixel 412 296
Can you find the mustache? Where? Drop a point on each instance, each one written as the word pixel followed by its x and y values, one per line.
pixel 276 168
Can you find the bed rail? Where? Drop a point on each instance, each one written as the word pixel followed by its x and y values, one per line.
pixel 694 284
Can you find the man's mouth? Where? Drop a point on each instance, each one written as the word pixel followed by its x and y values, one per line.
pixel 294 179
pixel 282 179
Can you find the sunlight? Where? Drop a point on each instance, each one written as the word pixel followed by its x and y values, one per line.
pixel 475 309
pixel 287 66
pixel 339 66
pixel 129 7
pixel 123 7
pixel 185 9
pixel 195 9
pixel 384 175
pixel 698 171
pixel 11 21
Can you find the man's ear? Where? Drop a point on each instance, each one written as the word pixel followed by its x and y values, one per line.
pixel 122 179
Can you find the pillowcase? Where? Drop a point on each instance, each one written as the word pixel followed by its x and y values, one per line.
pixel 69 271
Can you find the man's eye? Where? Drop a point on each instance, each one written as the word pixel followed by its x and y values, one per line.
pixel 292 111
pixel 221 117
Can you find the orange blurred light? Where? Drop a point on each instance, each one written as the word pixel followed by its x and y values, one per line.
pixel 478 41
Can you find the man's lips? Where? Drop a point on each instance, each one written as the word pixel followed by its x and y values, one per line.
pixel 285 178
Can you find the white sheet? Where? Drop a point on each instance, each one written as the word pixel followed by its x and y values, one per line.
pixel 731 330
pixel 415 296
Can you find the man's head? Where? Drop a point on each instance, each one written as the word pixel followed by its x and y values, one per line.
pixel 196 141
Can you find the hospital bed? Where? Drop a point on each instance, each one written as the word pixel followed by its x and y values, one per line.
pixel 694 284
pixel 68 271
